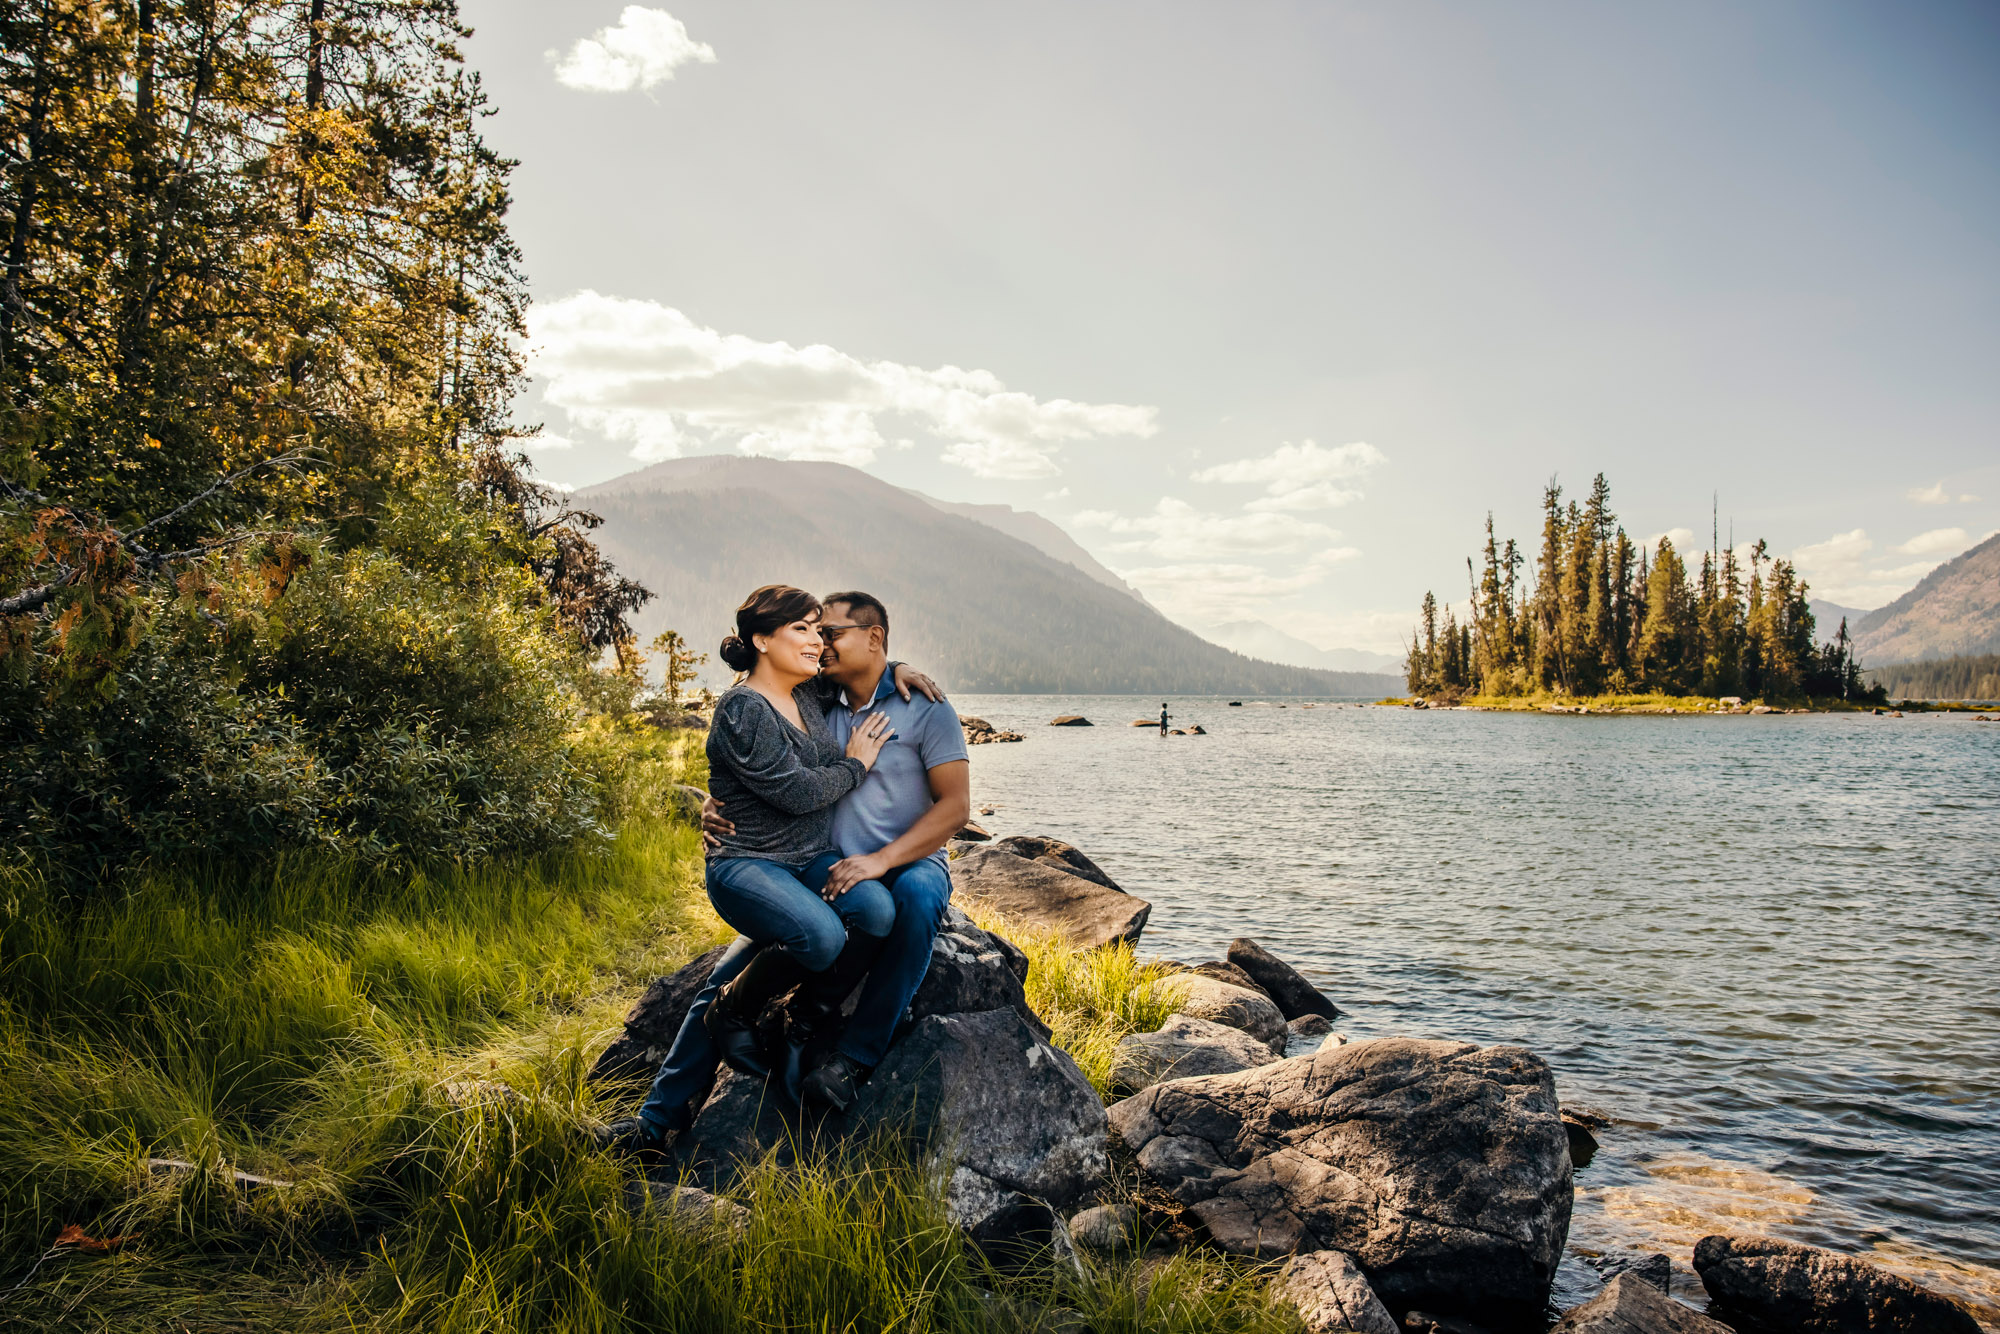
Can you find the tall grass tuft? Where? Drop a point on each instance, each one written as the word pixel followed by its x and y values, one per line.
pixel 402 1057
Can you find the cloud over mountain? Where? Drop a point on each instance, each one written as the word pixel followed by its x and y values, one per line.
pixel 646 374
pixel 1299 477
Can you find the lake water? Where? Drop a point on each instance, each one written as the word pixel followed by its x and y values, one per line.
pixel 1767 947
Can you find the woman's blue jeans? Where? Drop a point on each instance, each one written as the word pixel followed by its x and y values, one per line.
pixel 784 906
pixel 780 905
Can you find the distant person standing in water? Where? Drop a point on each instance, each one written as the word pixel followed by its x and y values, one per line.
pixel 1163 717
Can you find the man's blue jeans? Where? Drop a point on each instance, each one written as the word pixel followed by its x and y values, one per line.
pixel 769 903
pixel 919 891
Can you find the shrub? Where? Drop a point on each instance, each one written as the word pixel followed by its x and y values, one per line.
pixel 296 697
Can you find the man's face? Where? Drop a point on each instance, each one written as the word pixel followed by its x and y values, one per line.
pixel 851 652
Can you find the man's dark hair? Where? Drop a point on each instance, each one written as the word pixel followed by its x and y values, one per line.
pixel 865 608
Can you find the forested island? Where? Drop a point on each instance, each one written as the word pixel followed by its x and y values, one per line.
pixel 1606 617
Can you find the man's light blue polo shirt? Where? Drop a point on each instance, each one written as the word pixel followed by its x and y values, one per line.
pixel 897 791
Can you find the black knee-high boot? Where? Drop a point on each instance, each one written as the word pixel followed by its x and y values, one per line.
pixel 732 1016
pixel 818 1002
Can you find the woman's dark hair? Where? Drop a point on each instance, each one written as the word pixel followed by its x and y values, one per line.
pixel 762 612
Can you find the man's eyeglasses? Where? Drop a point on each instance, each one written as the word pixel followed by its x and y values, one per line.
pixel 829 633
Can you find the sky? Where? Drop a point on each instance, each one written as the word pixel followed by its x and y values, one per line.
pixel 1270 304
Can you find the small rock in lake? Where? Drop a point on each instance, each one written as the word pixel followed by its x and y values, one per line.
pixel 1582 1144
pixel 1654 1267
pixel 1310 1026
pixel 972 833
pixel 1280 981
pixel 1423 1322
pixel 1070 720
pixel 1783 1285
pixel 1631 1304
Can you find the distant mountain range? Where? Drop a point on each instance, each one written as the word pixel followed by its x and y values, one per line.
pixel 987 598
pixel 1261 639
pixel 1955 611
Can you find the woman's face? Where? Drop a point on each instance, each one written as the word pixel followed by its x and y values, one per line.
pixel 793 649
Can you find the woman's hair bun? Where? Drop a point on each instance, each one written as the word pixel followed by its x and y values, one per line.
pixel 762 613
pixel 740 656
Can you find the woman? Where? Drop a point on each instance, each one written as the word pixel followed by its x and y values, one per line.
pixel 774 764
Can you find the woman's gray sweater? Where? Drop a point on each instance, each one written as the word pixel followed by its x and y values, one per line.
pixel 777 785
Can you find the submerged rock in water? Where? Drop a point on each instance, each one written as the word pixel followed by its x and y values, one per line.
pixel 1440 1166
pixel 1040 895
pixel 1331 1294
pixel 1761 1282
pixel 1631 1304
pixel 1070 720
pixel 1184 1047
pixel 1286 985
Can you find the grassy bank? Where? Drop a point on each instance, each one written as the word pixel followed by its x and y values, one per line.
pixel 402 1055
pixel 1544 702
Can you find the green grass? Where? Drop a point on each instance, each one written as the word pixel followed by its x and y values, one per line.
pixel 405 1053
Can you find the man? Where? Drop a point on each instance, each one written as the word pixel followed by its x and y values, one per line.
pixel 891 828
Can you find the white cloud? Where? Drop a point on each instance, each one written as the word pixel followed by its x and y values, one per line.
pixel 644 49
pixel 1936 495
pixel 548 440
pixel 1846 568
pixel 1216 590
pixel 1175 530
pixel 1682 538
pixel 646 374
pixel 1299 477
pixel 1937 542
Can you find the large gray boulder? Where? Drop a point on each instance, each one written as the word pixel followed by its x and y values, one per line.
pixel 973 969
pixel 1184 1048
pixel 1039 895
pixel 1220 1002
pixel 652 1021
pixel 1019 1129
pixel 1761 1283
pixel 1631 1304
pixel 1286 985
pixel 1055 852
pixel 1331 1294
pixel 1440 1166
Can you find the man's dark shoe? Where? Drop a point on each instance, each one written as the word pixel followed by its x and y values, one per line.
pixel 732 1017
pixel 815 1007
pixel 835 1084
pixel 635 1138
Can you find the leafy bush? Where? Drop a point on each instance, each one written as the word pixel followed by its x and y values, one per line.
pixel 298 697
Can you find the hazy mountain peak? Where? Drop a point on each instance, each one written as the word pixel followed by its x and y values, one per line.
pixel 1954 610
pixel 982 608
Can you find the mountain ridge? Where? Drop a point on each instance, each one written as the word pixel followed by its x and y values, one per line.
pixel 982 609
pixel 1954 611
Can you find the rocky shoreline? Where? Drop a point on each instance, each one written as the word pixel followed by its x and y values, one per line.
pixel 1392 1184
